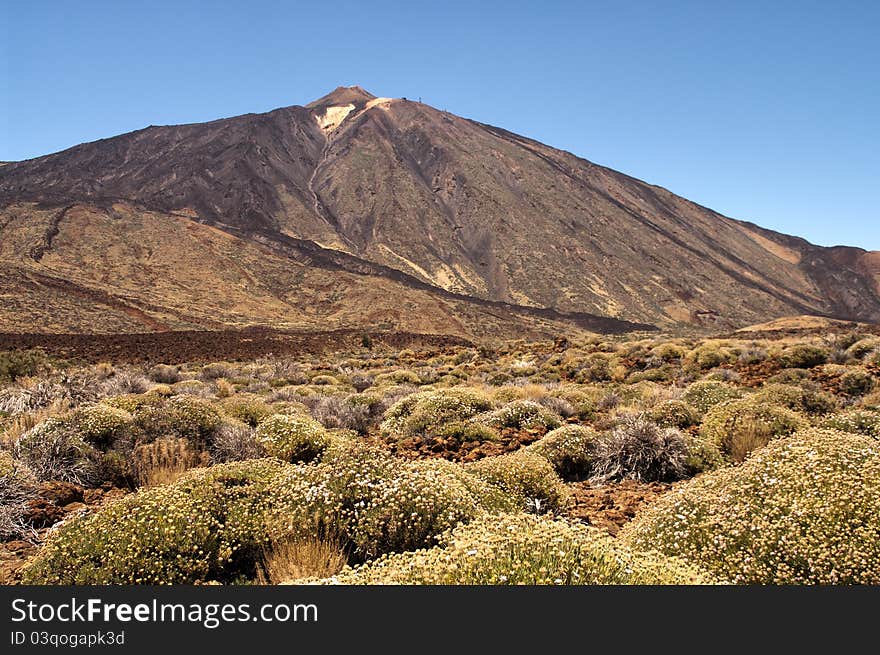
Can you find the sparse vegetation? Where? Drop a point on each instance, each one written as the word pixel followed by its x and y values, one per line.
pixel 384 466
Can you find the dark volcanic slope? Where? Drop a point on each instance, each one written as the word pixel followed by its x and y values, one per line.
pixel 396 190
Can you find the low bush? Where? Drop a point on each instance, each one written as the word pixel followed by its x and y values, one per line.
pixel 247 408
pixel 164 460
pixel 210 525
pixel 802 355
pixel 517 549
pixel 802 510
pixel 55 450
pixel 465 431
pixel 796 398
pixel 855 421
pixel 641 450
pixel 855 382
pixel 738 427
pixel 100 424
pixel 422 413
pixel 673 414
pixel 15 364
pixel 598 367
pixel 400 376
pixel 710 355
pixel 218 370
pixel 188 417
pixel 863 347
pixel 164 374
pixel 521 415
pixel 526 477
pixel 702 455
pixel 18 487
pixel 234 441
pixel 356 412
pixel 703 395
pixel 570 449
pixel 372 503
pixel 292 438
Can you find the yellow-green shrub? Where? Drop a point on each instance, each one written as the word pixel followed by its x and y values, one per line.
pixel 213 524
pixel 247 408
pixel 524 549
pixel 796 398
pixel 424 412
pixel 856 382
pixel 400 376
pixel 570 449
pixel 856 421
pixel 100 424
pixel 702 454
pixel 710 355
pixel 373 503
pixel 673 414
pixel 193 418
pixel 739 426
pixel 863 347
pixel 526 477
pixel 292 437
pixel 802 510
pixel 802 355
pixel 210 525
pixel 521 415
pixel 705 394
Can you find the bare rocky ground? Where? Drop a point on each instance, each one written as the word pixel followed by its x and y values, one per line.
pixel 56 503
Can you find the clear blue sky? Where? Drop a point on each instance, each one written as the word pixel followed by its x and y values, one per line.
pixel 764 111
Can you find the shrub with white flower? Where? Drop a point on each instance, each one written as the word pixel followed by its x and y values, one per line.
pixel 739 426
pixel 292 437
pixel 247 408
pixel 521 415
pixel 796 398
pixel 213 523
pixel 703 395
pixel 525 549
pixel 857 421
pixel 373 503
pixel 673 414
pixel 526 477
pixel 570 449
pixel 209 525
pixel 802 510
pixel 424 412
pixel 100 424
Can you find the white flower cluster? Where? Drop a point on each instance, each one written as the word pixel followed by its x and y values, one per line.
pixel 523 549
pixel 802 510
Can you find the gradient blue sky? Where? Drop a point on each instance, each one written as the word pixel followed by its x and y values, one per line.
pixel 764 111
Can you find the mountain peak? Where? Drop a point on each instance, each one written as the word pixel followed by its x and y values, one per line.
pixel 343 95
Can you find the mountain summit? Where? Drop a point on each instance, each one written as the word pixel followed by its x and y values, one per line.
pixel 342 95
pixel 360 210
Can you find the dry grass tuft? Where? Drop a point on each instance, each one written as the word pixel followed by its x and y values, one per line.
pixel 16 426
pixel 300 558
pixel 165 460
